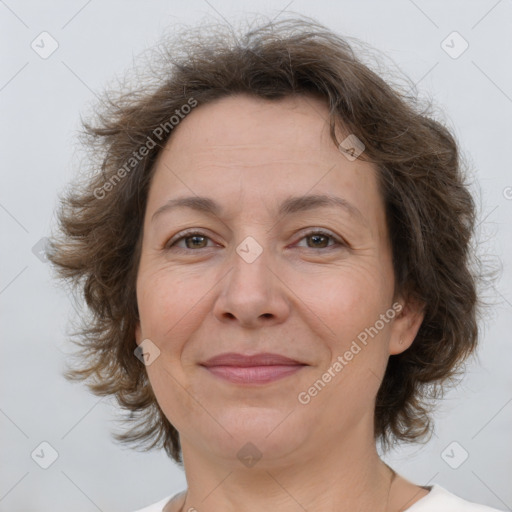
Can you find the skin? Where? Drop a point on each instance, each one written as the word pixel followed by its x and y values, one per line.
pixel 304 298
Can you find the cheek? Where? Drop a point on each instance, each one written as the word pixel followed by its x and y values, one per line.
pixel 350 305
pixel 348 299
pixel 169 309
pixel 169 301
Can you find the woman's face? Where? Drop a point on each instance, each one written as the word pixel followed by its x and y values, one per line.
pixel 256 278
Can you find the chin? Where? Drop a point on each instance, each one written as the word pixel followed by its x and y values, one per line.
pixel 255 433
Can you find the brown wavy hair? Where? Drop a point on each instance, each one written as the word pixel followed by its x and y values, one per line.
pixel 430 211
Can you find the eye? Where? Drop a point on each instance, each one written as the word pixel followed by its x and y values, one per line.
pixel 192 239
pixel 320 238
pixel 198 240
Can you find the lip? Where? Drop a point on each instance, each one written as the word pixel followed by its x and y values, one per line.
pixel 263 359
pixel 253 369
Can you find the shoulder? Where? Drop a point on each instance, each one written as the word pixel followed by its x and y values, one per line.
pixel 440 499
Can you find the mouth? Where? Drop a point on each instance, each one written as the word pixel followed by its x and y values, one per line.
pixel 253 369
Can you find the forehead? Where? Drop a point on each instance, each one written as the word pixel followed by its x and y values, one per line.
pixel 248 124
pixel 262 151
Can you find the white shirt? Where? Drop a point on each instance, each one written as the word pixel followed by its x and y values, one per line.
pixel 437 500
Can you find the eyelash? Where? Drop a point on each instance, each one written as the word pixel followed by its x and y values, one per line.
pixel 190 233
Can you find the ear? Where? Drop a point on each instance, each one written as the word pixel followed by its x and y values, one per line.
pixel 138 333
pixel 406 325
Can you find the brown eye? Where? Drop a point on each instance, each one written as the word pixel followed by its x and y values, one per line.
pixel 196 241
pixel 192 240
pixel 320 240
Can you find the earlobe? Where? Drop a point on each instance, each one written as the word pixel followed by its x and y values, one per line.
pixel 406 326
pixel 137 333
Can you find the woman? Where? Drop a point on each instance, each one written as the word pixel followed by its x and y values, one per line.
pixel 276 256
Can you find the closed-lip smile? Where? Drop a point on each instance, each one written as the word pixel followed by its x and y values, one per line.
pixel 252 369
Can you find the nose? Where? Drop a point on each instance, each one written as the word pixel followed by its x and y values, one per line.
pixel 253 294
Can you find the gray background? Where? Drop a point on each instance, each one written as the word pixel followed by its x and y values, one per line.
pixel 41 101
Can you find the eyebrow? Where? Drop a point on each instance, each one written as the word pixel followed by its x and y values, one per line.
pixel 289 206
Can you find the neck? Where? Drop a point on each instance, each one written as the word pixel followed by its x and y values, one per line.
pixel 347 477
